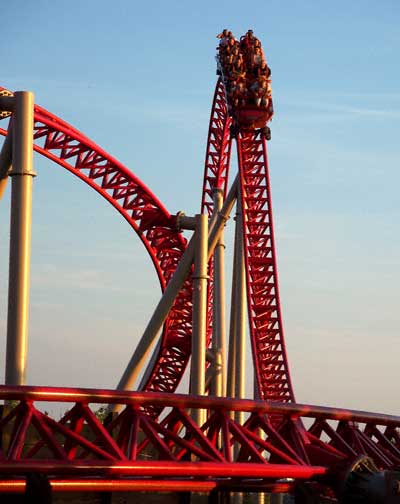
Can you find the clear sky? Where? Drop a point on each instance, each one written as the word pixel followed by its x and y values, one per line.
pixel 138 79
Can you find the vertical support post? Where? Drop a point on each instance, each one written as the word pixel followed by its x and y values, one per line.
pixel 231 373
pixel 198 364
pixel 218 385
pixel 239 325
pixel 240 313
pixel 20 238
pixel 262 497
pixel 237 332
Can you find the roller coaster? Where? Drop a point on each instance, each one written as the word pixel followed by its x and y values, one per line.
pixel 212 439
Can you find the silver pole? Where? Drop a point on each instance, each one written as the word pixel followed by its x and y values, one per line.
pixel 20 239
pixel 231 373
pixel 218 384
pixel 240 314
pixel 200 277
pixel 239 328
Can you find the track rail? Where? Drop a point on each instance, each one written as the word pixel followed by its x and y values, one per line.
pixel 266 328
pixel 222 452
pixel 218 151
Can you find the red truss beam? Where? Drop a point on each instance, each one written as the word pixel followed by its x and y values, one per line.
pixel 69 148
pixel 218 150
pixel 266 329
pixel 135 446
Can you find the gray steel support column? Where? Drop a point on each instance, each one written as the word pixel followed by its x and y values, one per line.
pixel 237 330
pixel 200 277
pixel 240 314
pixel 218 384
pixel 231 373
pixel 20 239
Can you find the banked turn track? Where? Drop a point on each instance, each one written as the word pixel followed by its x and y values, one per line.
pixel 80 452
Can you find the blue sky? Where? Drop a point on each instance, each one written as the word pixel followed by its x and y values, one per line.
pixel 138 79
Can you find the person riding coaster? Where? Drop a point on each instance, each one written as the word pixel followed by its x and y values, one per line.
pixel 246 78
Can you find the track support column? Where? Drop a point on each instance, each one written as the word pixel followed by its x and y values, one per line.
pixel 20 238
pixel 218 386
pixel 200 277
pixel 240 313
pixel 237 332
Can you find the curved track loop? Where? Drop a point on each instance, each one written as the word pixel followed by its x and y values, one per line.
pixel 69 148
pixel 266 329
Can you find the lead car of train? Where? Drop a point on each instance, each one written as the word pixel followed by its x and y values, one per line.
pixel 246 77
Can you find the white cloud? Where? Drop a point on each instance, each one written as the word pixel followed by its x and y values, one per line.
pixel 335 107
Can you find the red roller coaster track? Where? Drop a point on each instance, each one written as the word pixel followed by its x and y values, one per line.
pixel 153 443
pixel 135 450
pixel 69 148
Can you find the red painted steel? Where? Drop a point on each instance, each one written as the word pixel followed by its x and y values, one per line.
pixel 68 147
pixel 145 485
pixel 266 328
pixel 114 485
pixel 218 151
pixel 133 444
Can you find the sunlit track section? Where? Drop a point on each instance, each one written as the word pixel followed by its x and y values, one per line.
pixel 218 151
pixel 66 146
pixel 138 447
pixel 266 329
